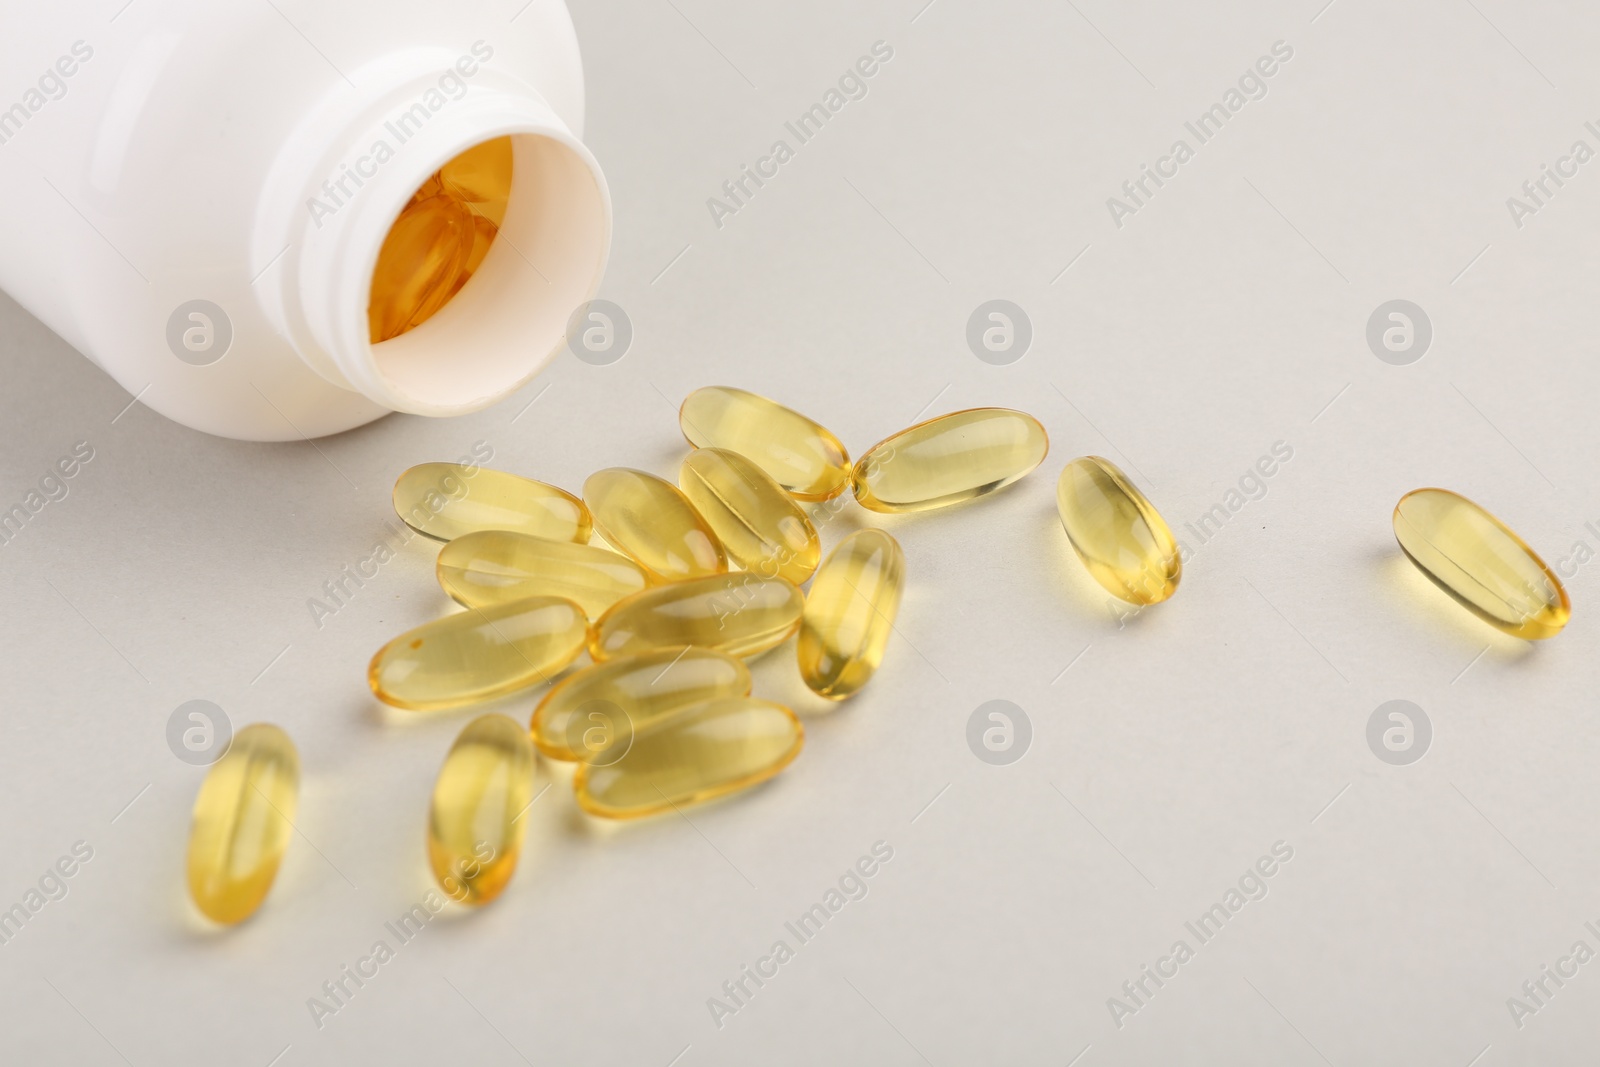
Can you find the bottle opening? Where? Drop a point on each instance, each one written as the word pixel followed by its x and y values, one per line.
pixel 439 239
pixel 482 268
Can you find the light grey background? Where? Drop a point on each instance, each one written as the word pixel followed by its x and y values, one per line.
pixel 1168 753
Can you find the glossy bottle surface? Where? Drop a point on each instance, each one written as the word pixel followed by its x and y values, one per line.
pixel 849 613
pixel 495 567
pixel 476 822
pixel 740 614
pixel 446 500
pixel 759 524
pixel 478 654
pixel 1120 537
pixel 807 460
pixel 695 754
pixel 1480 562
pixel 648 519
pixel 243 819
pixel 949 459
pixel 598 709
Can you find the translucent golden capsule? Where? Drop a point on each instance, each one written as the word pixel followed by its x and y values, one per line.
pixel 801 456
pixel 495 567
pixel 740 614
pixel 694 754
pixel 949 459
pixel 478 654
pixel 599 708
pixel 1480 562
pixel 439 239
pixel 484 231
pixel 759 524
pixel 475 824
pixel 1121 538
pixel 446 500
pixel 649 519
pixel 426 248
pixel 431 186
pixel 243 818
pixel 850 612
pixel 481 174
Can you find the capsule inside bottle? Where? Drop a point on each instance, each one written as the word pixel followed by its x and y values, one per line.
pixel 243 819
pixel 849 614
pixel 740 614
pixel 949 459
pixel 1481 563
pixel 476 822
pixel 1118 534
pixel 693 755
pixel 439 239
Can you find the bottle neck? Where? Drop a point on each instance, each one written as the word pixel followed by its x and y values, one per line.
pixel 344 179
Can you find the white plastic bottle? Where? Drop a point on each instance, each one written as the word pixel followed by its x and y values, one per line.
pixel 195 194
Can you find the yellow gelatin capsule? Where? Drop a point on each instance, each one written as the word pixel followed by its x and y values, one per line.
pixel 598 710
pixel 440 238
pixel 759 524
pixel 695 754
pixel 496 567
pixel 243 819
pixel 1118 534
pixel 484 231
pixel 1480 562
pixel 648 519
pixel 478 654
pixel 446 500
pixel 740 614
pixel 949 459
pixel 798 454
pixel 426 248
pixel 850 612
pixel 475 824
pixel 480 174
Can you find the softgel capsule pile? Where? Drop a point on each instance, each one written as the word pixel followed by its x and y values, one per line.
pixel 692 580
pixel 665 589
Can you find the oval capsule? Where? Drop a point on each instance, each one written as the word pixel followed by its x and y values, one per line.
pixel 740 614
pixel 1120 537
pixel 424 251
pixel 478 654
pixel 850 612
pixel 598 710
pixel 759 524
pixel 481 174
pixel 647 518
pixel 495 567
pixel 475 824
pixel 1480 562
pixel 949 459
pixel 807 460
pixel 243 818
pixel 695 754
pixel 446 500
